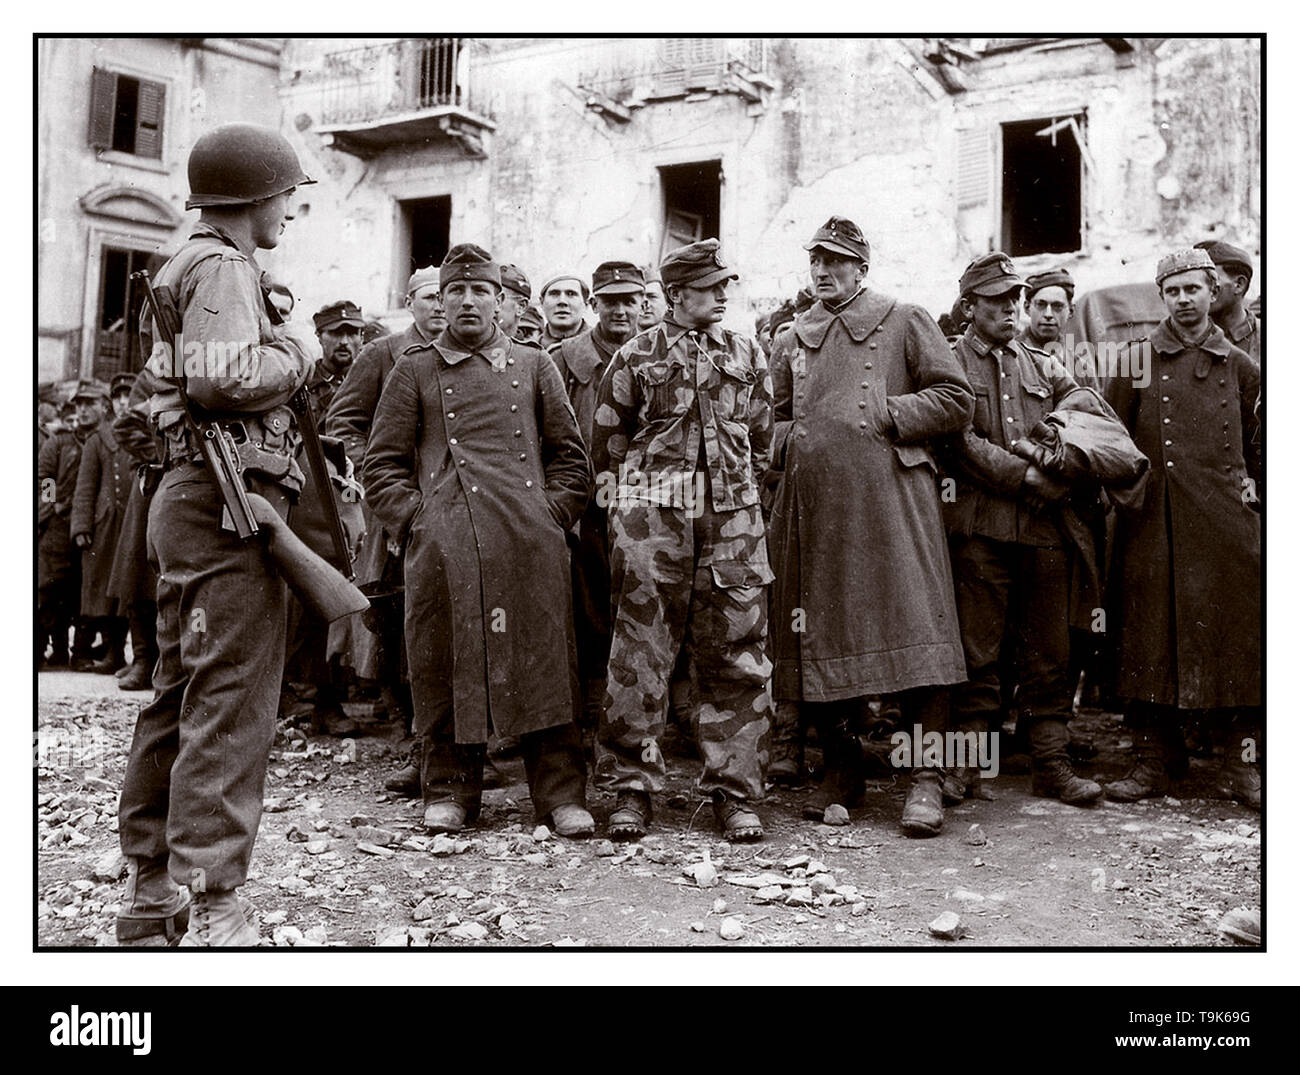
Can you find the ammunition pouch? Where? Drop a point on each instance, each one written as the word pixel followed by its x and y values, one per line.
pixel 264 444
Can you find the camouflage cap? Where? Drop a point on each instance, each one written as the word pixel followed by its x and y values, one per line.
pixel 990 274
pixel 697 265
pixel 467 261
pixel 840 235
pixel 1182 261
pixel 617 278
pixel 1227 256
pixel 338 313
pixel 121 382
pixel 420 278
pixel 1059 277
pixel 513 278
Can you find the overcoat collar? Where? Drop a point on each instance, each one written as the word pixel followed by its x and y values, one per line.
pixel 859 318
pixel 584 361
pixel 1167 342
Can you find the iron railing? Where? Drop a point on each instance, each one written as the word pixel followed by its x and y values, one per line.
pixel 399 77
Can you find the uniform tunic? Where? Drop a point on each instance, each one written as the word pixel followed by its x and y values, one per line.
pixel 863 602
pixel 476 462
pixel 1186 578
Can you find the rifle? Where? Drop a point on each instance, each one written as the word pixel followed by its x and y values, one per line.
pixel 317 583
pixel 300 404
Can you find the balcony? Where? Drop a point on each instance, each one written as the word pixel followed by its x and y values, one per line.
pixel 400 93
pixel 646 70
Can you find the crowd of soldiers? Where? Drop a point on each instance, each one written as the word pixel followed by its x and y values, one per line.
pixel 571 534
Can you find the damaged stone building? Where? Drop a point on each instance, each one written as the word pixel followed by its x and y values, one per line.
pixel 555 153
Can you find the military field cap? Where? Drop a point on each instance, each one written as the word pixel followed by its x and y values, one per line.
pixel 617 278
pixel 651 275
pixel 1182 261
pixel 91 390
pixel 1228 256
pixel 532 316
pixel 841 236
pixel 46 412
pixel 122 382
pixel 66 408
pixel 336 314
pixel 512 277
pixel 420 278
pixel 466 261
pixel 1052 278
pixel 990 274
pixel 696 265
pixel 555 279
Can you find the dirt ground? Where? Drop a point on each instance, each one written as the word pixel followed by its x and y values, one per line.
pixel 341 862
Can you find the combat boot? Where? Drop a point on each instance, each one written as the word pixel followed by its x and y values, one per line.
pixel 1054 779
pixel 217 921
pixel 1242 782
pixel 923 810
pixel 1148 777
pixel 138 676
pixel 406 781
pixel 155 910
pixel 114 659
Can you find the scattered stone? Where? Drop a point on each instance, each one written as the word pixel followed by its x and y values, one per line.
pixel 769 894
pixel 316 847
pixel 605 849
pixel 704 874
pixel 966 895
pixel 1119 886
pixel 315 937
pixel 109 867
pixel 537 858
pixel 371 834
pixel 442 845
pixel 947 926
pixel 797 861
pixel 800 919
pixel 423 910
pixel 858 909
pixel 287 937
pixel 507 923
pixel 357 820
pixel 814 868
pixel 800 897
pixel 975 836
pixel 470 931
pixel 821 884
pixel 1241 925
pixel 732 929
pixel 347 754
pixel 98 783
pixel 699 927
pixel 541 834
pixel 275 918
pixel 295 835
pixel 397 938
pixel 835 815
pixel 374 849
pixel 719 906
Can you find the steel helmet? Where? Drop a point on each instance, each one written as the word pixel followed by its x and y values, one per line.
pixel 240 163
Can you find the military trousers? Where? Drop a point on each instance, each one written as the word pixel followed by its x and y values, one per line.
pixel 699 584
pixel 1019 596
pixel 192 794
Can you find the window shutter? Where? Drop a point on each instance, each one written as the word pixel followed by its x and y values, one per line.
pixel 974 167
pixel 103 94
pixel 673 58
pixel 149 119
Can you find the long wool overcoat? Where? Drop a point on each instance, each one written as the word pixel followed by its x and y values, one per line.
pixel 863 598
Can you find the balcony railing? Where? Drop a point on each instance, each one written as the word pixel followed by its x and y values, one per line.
pixel 648 69
pixel 408 90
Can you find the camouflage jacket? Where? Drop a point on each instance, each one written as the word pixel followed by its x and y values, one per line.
pixel 671 394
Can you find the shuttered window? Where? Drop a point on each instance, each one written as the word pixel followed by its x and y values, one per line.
pixel 126 113
pixel 974 167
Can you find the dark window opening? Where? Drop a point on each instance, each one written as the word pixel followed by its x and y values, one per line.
pixel 124 114
pixel 423 238
pixel 1042 186
pixel 117 324
pixel 692 203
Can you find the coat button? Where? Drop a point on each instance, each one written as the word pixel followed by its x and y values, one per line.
pixel 522 456
pixel 514 384
pixel 1168 443
pixel 528 484
pixel 519 432
pixel 448 391
pixel 510 361
pixel 473 488
pixel 802 433
pixel 862 403
pixel 462 463
pixel 1010 419
pixel 1224 403
pixel 1164 399
pixel 454 440
pixel 1222 381
pixel 872 346
pixel 865 385
pixel 451 414
pixel 862 425
pixel 1166 421
pixel 514 407
pixel 868 365
pixel 1164 376
pixel 1169 462
pixel 1006 397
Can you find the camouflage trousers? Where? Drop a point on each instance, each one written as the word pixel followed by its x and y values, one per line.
pixel 698 584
